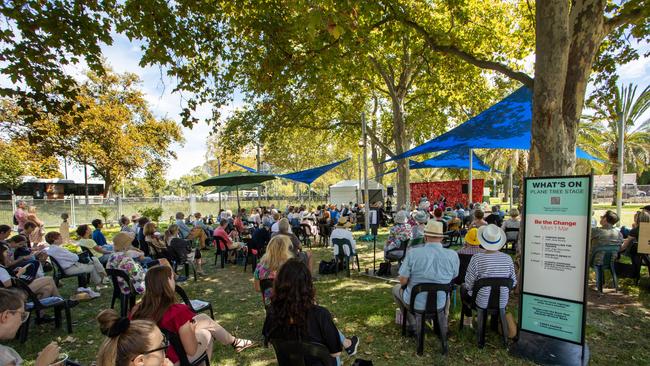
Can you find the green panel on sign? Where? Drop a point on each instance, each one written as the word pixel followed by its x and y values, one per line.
pixel 556 318
pixel 558 196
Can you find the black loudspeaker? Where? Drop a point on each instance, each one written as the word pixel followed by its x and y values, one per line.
pixel 465 188
pixel 389 191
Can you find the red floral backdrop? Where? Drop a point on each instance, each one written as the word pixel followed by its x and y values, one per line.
pixel 452 190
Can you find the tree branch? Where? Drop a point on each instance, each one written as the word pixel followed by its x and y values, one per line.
pixel 625 17
pixel 471 59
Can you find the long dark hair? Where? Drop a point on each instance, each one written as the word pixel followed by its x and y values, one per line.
pixel 293 295
pixel 158 296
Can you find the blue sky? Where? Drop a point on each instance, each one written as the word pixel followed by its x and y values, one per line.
pixel 124 56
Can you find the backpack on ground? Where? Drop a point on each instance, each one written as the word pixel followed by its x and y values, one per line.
pixel 384 269
pixel 327 267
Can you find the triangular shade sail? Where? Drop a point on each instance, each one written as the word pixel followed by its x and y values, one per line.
pixel 505 125
pixel 454 159
pixel 310 175
pixel 247 168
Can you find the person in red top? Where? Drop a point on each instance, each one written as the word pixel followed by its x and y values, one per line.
pixel 196 332
pixel 220 232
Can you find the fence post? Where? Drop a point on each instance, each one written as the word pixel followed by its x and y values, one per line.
pixel 119 207
pixel 13 209
pixel 73 211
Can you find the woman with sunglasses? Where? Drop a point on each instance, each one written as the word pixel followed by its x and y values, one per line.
pixel 12 316
pixel 197 332
pixel 130 343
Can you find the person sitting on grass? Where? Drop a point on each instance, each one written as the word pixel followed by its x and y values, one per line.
pixel 277 253
pixel 101 252
pixel 471 244
pixel 130 342
pixel 490 264
pixel 12 316
pixel 294 315
pixel 197 332
pixel 430 263
pixel 70 263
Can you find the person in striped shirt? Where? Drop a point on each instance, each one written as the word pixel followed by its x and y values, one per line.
pixel 490 264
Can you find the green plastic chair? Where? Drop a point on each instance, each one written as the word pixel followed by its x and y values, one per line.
pixel 610 252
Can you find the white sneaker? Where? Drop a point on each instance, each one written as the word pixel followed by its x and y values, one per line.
pixel 93 294
pixel 82 289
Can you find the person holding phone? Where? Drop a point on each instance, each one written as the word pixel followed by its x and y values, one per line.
pixel 12 316
pixel 43 287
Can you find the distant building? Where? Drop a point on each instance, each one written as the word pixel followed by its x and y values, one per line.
pixel 608 180
pixel 55 188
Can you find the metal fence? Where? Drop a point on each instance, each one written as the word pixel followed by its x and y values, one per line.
pixel 80 212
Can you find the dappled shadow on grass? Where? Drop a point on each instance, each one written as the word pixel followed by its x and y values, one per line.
pixel 361 306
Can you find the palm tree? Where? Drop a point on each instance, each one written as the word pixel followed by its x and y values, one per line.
pixel 599 130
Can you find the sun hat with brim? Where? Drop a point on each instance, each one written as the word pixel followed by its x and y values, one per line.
pixel 471 237
pixel 343 222
pixel 491 237
pixel 122 241
pixel 421 217
pixel 434 228
pixel 400 217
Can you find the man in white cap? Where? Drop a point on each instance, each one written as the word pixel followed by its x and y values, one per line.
pixel 430 263
pixel 490 264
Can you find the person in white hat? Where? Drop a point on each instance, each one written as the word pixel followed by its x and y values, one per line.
pixel 490 264
pixel 399 233
pixel 430 263
pixel 421 218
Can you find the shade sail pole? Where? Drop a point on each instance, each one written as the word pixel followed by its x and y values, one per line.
pixel 365 174
pixel 620 171
pixel 469 183
pixel 238 205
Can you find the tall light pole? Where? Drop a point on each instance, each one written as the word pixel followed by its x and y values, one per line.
pixel 365 174
pixel 259 168
pixel 219 173
pixel 620 170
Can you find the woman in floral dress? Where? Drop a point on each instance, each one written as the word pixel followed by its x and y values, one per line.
pixel 120 259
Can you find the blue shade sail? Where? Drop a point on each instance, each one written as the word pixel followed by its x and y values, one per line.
pixel 310 175
pixel 505 125
pixel 453 159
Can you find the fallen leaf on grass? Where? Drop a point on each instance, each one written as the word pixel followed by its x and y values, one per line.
pixel 370 339
pixel 367 352
pixel 387 355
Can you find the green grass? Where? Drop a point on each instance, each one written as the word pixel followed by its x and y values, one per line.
pixel 617 324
